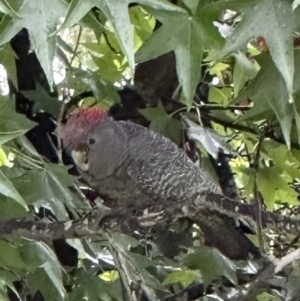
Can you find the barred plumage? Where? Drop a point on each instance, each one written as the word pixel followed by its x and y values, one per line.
pixel 131 164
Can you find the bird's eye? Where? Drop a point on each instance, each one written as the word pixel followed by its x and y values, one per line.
pixel 91 141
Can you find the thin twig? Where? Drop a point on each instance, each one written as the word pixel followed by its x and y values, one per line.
pixel 223 108
pixel 257 197
pixel 76 46
pixel 59 125
pixel 127 293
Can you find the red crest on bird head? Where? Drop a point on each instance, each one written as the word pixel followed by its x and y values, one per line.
pixel 74 132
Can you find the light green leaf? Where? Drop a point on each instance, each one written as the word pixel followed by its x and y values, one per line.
pixel 273 187
pixel 117 12
pixel 40 18
pixel 220 95
pixel 257 17
pixel 244 70
pixel 185 277
pixel 10 256
pixel 3 293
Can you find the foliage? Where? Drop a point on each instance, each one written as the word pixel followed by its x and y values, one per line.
pixel 249 60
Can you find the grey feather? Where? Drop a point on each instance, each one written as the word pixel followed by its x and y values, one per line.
pixel 131 164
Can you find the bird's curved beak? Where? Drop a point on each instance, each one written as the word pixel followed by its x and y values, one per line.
pixel 80 159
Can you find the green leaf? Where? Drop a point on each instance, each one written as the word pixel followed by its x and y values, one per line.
pixel 144 24
pixel 167 126
pixel 48 187
pixel 43 101
pixel 49 284
pixel 3 293
pixel 12 125
pixel 8 60
pixel 89 286
pixel 153 113
pixel 109 275
pixel 283 158
pixel 6 8
pixel 266 95
pixel 191 4
pixel 220 95
pixel 266 297
pixel 257 17
pixel 10 256
pixel 141 261
pixel 188 36
pixel 11 209
pixel 125 241
pixel 6 160
pixel 244 70
pixel 104 92
pixel 185 277
pixel 107 68
pixel 212 264
pixel 40 18
pixel 37 254
pixel 46 270
pixel 273 187
pixel 117 12
pixel 7 279
pixel 8 189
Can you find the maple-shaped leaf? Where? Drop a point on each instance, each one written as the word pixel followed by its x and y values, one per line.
pixel 40 18
pixel 188 35
pixel 42 100
pixel 274 21
pixel 117 12
pixel 268 91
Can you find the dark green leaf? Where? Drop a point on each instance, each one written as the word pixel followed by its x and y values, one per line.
pixel 8 189
pixel 10 256
pixel 48 187
pixel 186 35
pixel 212 264
pixel 42 100
pixel 266 95
pixel 12 125
pixel 168 127
pixel 125 241
pixel 153 113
